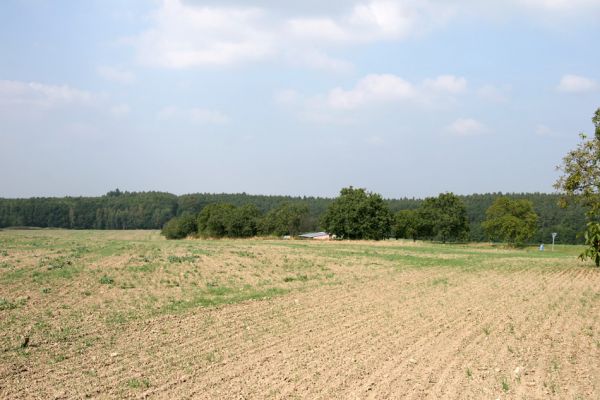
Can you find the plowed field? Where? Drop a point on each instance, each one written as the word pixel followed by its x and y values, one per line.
pixel 130 315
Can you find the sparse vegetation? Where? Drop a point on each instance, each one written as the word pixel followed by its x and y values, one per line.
pixel 209 305
pixel 106 280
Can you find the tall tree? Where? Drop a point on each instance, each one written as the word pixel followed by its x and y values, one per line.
pixel 286 219
pixel 406 224
pixel 443 218
pixel 511 221
pixel 243 221
pixel 215 219
pixel 358 214
pixel 581 182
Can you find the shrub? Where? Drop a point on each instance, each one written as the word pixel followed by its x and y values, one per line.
pixel 180 227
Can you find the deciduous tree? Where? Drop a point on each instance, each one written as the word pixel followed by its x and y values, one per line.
pixel 580 181
pixel 358 214
pixel 511 221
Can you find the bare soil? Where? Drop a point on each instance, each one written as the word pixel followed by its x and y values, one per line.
pixel 517 326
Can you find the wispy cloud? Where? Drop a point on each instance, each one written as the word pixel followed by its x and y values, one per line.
pixel 371 89
pixel 15 93
pixel 466 127
pixel 577 84
pixel 447 83
pixel 377 89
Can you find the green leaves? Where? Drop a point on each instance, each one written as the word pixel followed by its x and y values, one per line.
pixel 581 180
pixel 511 221
pixel 358 214
pixel 592 240
pixel 180 227
pixel 443 218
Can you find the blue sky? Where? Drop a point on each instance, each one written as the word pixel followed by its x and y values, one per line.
pixel 403 97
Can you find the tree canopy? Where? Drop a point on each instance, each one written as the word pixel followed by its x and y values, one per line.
pixel 286 219
pixel 510 221
pixel 443 218
pixel 358 214
pixel 580 181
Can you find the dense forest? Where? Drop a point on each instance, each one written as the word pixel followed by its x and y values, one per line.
pixel 151 210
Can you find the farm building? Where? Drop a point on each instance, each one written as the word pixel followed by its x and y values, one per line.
pixel 315 236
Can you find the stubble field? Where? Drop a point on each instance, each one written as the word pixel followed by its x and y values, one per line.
pixel 127 314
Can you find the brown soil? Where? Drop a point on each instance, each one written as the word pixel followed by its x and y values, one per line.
pixel 425 333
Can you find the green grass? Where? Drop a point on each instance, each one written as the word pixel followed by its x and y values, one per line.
pixel 106 280
pixel 138 383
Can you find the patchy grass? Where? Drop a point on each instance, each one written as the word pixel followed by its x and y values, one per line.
pixel 89 279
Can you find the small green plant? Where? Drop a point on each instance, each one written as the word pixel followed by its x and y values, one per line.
pixel 46 290
pixel 439 281
pixel 135 383
pixel 487 330
pixel 6 304
pixel 469 373
pixel 300 278
pixel 106 280
pixel 179 260
pixel 505 386
pixel 211 357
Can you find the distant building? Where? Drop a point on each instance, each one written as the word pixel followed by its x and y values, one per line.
pixel 315 236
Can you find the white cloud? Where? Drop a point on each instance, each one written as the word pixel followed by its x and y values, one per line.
pixel 117 75
pixel 447 83
pixel 466 127
pixel 371 21
pixel 576 84
pixel 371 89
pixel 36 94
pixel 340 105
pixel 186 36
pixel 385 88
pixel 194 115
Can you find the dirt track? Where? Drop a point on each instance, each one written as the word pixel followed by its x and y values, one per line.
pixel 422 333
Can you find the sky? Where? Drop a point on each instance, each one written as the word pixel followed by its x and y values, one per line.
pixel 407 98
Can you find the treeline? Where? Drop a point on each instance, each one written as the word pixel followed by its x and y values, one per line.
pixel 220 220
pixel 115 210
pixel 151 210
